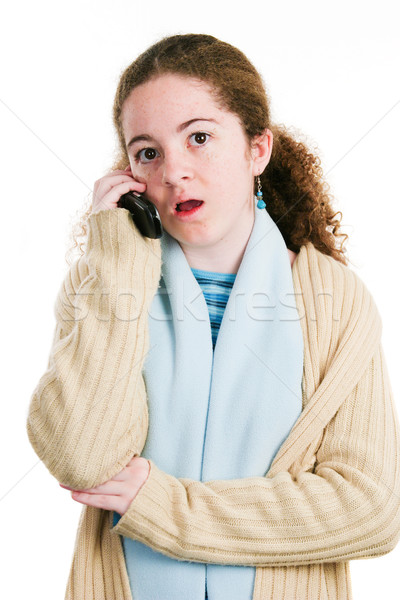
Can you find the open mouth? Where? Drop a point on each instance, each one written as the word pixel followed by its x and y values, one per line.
pixel 188 205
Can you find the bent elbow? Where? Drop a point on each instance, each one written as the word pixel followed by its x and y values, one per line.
pixel 387 530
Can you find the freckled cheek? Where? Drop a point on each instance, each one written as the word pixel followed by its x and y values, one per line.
pixel 138 173
pixel 153 180
pixel 144 178
pixel 211 168
pixel 142 175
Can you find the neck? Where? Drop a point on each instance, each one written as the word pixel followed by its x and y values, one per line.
pixel 226 254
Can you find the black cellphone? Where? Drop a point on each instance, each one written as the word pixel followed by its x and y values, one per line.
pixel 144 214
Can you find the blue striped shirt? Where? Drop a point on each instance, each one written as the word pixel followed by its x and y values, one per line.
pixel 216 288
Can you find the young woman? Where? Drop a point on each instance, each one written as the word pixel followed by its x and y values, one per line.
pixel 246 457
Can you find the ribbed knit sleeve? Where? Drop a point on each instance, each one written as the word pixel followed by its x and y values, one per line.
pixel 346 506
pixel 88 413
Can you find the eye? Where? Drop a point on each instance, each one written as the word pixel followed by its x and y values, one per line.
pixel 200 137
pixel 146 155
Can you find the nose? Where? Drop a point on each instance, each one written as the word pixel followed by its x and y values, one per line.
pixel 176 168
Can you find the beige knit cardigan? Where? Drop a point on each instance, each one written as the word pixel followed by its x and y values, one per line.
pixel 333 490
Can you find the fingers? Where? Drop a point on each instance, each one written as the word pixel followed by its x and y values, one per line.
pixel 108 189
pixel 106 502
pixel 116 493
pixel 112 495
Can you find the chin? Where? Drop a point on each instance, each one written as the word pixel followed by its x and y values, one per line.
pixel 190 236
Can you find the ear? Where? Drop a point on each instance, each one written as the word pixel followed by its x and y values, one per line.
pixel 261 149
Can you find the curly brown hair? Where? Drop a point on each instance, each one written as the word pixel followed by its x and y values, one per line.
pixel 297 196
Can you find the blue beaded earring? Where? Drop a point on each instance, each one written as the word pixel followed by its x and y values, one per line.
pixel 260 203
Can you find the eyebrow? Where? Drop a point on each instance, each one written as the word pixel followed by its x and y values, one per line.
pixel 147 138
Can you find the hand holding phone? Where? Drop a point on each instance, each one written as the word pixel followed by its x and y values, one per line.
pixel 115 190
pixel 108 189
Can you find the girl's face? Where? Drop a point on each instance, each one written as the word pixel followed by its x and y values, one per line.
pixel 183 146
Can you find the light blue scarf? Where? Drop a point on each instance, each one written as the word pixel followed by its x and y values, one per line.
pixel 221 415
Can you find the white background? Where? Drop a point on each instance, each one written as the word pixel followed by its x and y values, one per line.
pixel 332 71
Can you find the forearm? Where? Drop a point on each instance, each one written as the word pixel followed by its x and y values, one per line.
pixel 261 522
pixel 88 414
pixel 347 507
